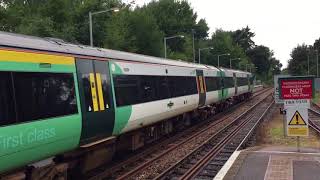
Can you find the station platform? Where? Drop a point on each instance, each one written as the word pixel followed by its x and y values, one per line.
pixel 272 163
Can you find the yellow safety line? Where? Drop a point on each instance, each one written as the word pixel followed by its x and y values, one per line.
pixel 14 56
pixel 100 94
pixel 94 92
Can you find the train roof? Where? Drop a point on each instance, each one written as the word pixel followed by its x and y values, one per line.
pixel 59 46
pixel 233 70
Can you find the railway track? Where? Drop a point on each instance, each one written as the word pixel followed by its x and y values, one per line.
pixel 314 117
pixel 206 161
pixel 131 168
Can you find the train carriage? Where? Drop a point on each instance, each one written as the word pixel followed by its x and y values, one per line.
pixel 213 81
pixel 156 92
pixel 236 83
pixel 57 97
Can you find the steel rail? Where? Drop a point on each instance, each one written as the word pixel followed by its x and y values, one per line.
pixel 144 165
pixel 162 175
pixel 117 168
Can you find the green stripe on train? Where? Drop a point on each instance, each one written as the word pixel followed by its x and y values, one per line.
pixel 122 114
pixel 29 142
pixel 35 67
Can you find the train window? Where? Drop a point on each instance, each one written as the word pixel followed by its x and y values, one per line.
pixel 175 86
pixel 182 86
pixel 126 90
pixel 228 82
pixel 212 83
pixel 134 89
pixel 44 95
pixel 191 85
pixel 87 92
pixel 242 81
pixel 163 88
pixel 148 86
pixel 7 107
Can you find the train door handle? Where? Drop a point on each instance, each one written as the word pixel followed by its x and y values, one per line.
pixel 170 104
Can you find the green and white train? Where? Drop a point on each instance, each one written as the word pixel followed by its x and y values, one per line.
pixel 60 101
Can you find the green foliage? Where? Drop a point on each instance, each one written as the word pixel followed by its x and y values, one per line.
pixel 298 64
pixel 139 30
pixel 134 31
pixel 243 38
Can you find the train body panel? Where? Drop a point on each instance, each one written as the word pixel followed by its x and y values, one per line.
pixel 212 97
pixel 149 113
pixel 35 131
pixel 152 106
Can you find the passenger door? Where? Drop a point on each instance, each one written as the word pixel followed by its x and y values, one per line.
pixel 235 83
pixel 96 100
pixel 201 87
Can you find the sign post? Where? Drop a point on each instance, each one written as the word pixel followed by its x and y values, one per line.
pixel 296 93
pixel 277 97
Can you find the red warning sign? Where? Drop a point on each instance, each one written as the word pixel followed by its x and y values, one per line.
pixel 296 88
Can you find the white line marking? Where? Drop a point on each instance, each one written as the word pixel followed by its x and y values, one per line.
pixel 284 152
pixel 265 175
pixel 291 164
pixel 223 171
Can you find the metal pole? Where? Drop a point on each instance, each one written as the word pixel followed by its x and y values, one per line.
pixel 317 63
pixel 308 65
pixel 230 63
pixel 165 48
pixel 194 52
pixel 199 56
pixel 90 29
pixel 218 61
pixel 298 143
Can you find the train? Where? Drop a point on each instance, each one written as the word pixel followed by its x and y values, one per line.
pixel 60 100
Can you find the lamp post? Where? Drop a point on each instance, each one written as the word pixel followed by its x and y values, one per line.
pixel 250 65
pixel 317 62
pixel 227 54
pixel 165 43
pixel 201 50
pixel 90 20
pixel 194 52
pixel 308 62
pixel 232 60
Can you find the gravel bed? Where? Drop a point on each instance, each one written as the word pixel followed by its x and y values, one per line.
pixel 157 167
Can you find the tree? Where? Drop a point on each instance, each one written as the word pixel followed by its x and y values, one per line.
pixel 275 66
pixel 223 43
pixel 134 31
pixel 201 29
pixel 316 44
pixel 176 18
pixel 243 37
pixel 261 57
pixel 298 63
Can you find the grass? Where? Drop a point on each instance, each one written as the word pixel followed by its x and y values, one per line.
pixel 272 133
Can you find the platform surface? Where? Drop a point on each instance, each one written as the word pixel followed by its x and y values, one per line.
pixel 276 164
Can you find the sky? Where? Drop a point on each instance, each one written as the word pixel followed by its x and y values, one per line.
pixel 278 24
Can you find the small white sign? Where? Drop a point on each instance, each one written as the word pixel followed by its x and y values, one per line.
pixel 297 102
pixel 297 121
